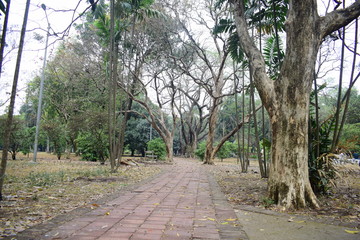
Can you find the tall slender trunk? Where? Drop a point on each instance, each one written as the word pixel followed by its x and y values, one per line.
pixel 346 106
pixel 9 120
pixel 111 90
pixel 3 37
pixel 338 105
pixel 257 139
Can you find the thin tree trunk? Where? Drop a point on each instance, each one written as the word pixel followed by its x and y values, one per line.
pixel 245 158
pixel 9 121
pixel 317 123
pixel 3 37
pixel 257 140
pixel 111 86
pixel 350 84
pixel 338 105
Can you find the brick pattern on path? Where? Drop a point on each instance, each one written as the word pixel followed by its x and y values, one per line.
pixel 183 203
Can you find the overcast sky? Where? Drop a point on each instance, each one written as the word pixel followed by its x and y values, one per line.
pixel 60 14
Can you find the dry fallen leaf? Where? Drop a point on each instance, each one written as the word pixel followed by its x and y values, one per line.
pixel 351 232
pixel 231 219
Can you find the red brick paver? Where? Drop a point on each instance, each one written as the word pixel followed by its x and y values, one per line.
pixel 183 203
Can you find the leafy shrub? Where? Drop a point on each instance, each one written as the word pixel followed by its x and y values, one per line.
pixel 157 145
pixel 92 148
pixel 267 202
pixel 322 172
pixel 226 150
pixel 200 151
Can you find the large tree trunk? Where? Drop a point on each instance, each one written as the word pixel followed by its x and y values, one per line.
pixel 169 150
pixel 288 183
pixel 287 98
pixel 209 153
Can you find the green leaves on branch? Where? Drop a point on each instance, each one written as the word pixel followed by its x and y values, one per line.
pixel 273 55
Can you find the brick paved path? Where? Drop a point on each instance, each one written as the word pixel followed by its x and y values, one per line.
pixel 183 203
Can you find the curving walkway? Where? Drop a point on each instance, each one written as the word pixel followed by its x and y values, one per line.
pixel 183 203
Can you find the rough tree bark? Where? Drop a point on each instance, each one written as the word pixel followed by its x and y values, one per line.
pixel 287 98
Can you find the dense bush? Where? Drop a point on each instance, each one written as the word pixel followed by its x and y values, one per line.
pixel 157 145
pixel 200 151
pixel 227 150
pixel 93 148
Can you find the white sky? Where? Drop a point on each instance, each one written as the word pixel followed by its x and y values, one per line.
pixel 34 50
pixel 32 57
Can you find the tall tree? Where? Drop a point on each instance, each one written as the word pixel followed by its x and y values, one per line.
pixel 6 11
pixel 287 98
pixel 9 122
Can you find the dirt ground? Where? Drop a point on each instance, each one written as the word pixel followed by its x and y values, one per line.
pixel 341 205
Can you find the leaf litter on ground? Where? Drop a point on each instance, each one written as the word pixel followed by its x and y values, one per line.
pixel 341 204
pixel 37 192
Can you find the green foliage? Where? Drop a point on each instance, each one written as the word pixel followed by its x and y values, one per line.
pixel 56 134
pixel 2 6
pixel 93 147
pixel 321 167
pixel 137 132
pixel 21 138
pixel 267 202
pixel 200 151
pixel 157 145
pixel 27 141
pixel 350 137
pixel 322 173
pixel 274 55
pixel 353 113
pixel 264 14
pixel 226 150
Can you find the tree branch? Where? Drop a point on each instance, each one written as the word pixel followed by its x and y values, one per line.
pixel 263 83
pixel 338 18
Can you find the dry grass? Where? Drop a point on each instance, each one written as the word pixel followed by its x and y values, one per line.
pixel 37 192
